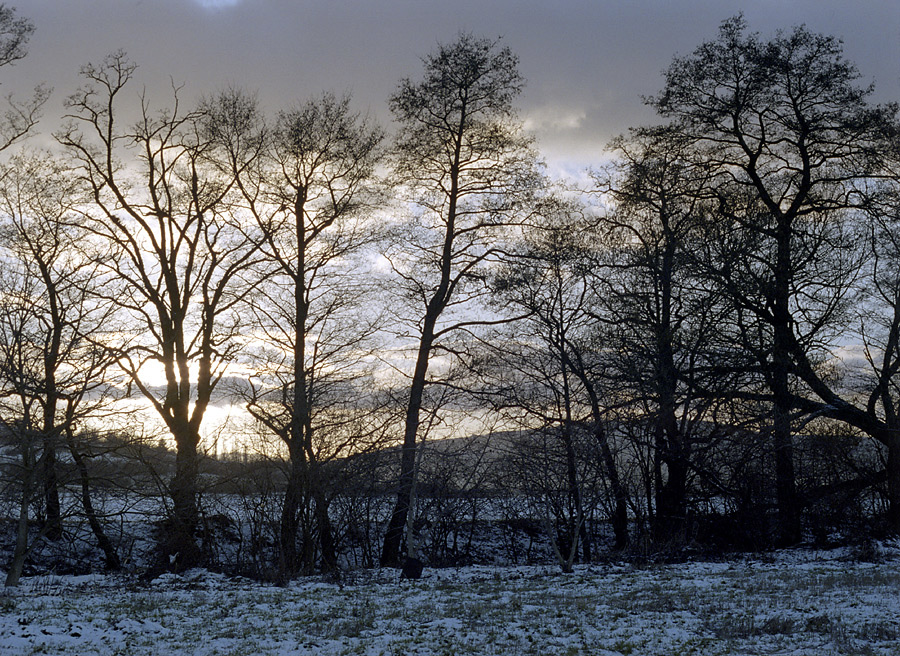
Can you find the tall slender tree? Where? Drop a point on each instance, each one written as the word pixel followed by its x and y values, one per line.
pixel 662 320
pixel 309 194
pixel 550 361
pixel 465 167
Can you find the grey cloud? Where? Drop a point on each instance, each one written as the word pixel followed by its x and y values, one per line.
pixel 588 62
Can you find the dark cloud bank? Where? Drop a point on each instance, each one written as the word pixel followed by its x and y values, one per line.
pixel 588 63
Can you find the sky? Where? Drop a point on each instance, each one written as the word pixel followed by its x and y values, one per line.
pixel 588 63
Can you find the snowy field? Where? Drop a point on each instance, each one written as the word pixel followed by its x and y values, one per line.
pixel 790 603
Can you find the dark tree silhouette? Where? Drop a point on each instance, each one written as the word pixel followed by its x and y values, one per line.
pixel 788 135
pixel 549 364
pixel 466 166
pixel 661 320
pixel 20 116
pixel 309 194
pixel 53 367
pixel 161 205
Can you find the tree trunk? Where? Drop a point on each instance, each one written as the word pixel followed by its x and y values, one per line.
pixel 52 511
pixel 891 363
pixel 659 446
pixel 575 496
pixel 288 561
pixel 893 483
pixel 103 541
pixel 789 529
pixel 671 495
pixel 568 443
pixel 671 501
pixel 16 565
pixel 671 507
pixel 620 511
pixel 180 546
pixel 393 537
pixel 326 535
pixel 21 550
pixel 308 545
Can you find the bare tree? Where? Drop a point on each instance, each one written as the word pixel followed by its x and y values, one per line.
pixel 162 207
pixel 549 365
pixel 878 310
pixel 53 370
pixel 20 115
pixel 309 195
pixel 14 35
pixel 661 320
pixel 465 166
pixel 789 135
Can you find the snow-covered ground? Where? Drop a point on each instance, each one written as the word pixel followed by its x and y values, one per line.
pixel 788 603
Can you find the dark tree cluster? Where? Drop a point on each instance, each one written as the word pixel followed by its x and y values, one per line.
pixel 436 353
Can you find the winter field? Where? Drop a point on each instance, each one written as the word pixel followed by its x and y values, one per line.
pixel 787 603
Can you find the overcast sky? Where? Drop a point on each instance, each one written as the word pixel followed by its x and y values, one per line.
pixel 587 62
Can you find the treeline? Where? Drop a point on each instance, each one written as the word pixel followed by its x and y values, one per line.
pixel 701 348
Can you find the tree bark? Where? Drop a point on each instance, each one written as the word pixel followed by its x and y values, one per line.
pixel 52 509
pixel 326 535
pixel 16 565
pixel 180 546
pixel 789 529
pixel 109 551
pixel 288 561
pixel 20 552
pixel 393 537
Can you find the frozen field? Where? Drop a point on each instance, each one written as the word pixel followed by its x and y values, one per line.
pixel 803 602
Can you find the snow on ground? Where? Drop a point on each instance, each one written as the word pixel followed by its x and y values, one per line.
pixel 790 603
